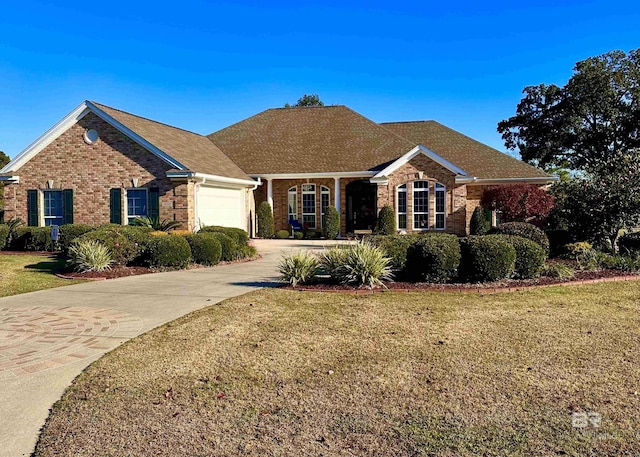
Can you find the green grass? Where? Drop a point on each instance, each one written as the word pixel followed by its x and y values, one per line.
pixel 26 273
pixel 281 373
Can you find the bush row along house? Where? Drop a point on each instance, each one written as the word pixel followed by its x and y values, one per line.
pixel 100 165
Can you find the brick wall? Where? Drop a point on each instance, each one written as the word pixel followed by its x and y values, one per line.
pixel 92 169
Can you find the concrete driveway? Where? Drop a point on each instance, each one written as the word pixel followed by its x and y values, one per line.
pixel 47 338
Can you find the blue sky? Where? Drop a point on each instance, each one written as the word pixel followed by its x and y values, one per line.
pixel 205 65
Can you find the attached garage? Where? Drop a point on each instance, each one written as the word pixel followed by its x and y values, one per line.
pixel 220 206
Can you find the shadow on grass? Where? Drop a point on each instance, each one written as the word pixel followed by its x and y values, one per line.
pixel 50 266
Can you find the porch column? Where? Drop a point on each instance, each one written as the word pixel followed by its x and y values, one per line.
pixel 270 193
pixel 336 194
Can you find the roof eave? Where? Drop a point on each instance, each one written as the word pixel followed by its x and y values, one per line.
pixel 473 180
pixel 420 149
pixel 208 178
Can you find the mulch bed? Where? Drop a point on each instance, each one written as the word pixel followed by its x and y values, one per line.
pixel 509 285
pixel 115 272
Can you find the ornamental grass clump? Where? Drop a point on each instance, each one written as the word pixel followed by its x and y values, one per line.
pixel 89 255
pixel 298 268
pixel 365 265
pixel 332 262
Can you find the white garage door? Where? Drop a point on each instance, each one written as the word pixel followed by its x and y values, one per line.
pixel 219 206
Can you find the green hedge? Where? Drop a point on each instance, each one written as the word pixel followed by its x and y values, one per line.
pixel 486 258
pixel 433 257
pixel 69 232
pixel 480 222
pixel 241 237
pixel 123 250
pixel 32 239
pixel 282 234
pixel 230 249
pixel 530 257
pixel 265 220
pixel 167 251
pixel 395 247
pixel 386 221
pixel 205 248
pixel 331 225
pixel 524 230
pixel 4 234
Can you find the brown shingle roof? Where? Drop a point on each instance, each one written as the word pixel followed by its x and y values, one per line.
pixel 192 150
pixel 475 158
pixel 309 140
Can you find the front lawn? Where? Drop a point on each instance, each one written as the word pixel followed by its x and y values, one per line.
pixel 28 273
pixel 282 373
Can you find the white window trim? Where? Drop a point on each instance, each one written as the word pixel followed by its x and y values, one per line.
pixel 413 206
pixel 126 202
pixel 324 190
pixel 437 189
pixel 292 191
pixel 315 203
pixel 404 190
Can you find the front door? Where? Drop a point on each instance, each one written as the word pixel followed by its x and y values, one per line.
pixel 361 205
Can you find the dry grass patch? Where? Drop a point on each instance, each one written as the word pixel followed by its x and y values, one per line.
pixel 281 373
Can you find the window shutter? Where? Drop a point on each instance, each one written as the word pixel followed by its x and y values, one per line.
pixel 115 206
pixel 67 205
pixel 154 203
pixel 32 208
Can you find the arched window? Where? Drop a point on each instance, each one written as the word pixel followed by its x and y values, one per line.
pixel 441 206
pixel 292 199
pixel 421 205
pixel 324 201
pixel 309 206
pixel 401 198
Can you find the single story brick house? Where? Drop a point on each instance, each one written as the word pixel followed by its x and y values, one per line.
pixel 100 164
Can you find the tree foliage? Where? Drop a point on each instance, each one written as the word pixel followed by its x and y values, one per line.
pixel 307 100
pixel 265 220
pixel 4 159
pixel 518 202
pixel 588 124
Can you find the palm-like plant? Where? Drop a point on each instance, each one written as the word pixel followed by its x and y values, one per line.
pixel 154 222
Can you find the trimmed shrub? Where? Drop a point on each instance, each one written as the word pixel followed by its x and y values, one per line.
pixel 205 248
pixel 530 257
pixel 364 265
pixel 89 255
pixel 331 227
pixel 524 230
pixel 69 232
pixel 4 234
pixel 32 239
pixel 557 270
pixel 557 240
pixel 626 262
pixel 230 249
pixel 240 236
pixel 167 251
pixel 298 268
pixel 486 258
pixel 480 223
pixel 247 252
pixel 137 235
pixel 265 220
pixel 386 221
pixel 282 234
pixel 312 234
pixel 629 243
pixel 298 235
pixel 181 232
pixel 395 247
pixel 433 257
pixel 123 250
pixel 583 253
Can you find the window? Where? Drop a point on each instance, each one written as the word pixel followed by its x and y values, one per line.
pixel 53 208
pixel 309 206
pixel 324 201
pixel 402 207
pixel 292 212
pixel 136 204
pixel 421 205
pixel 440 212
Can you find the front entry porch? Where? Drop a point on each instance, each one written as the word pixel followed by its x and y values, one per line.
pixel 361 212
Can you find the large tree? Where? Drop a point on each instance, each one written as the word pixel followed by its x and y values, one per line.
pixel 590 125
pixel 307 100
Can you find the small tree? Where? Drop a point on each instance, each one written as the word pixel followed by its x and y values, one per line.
pixel 518 202
pixel 331 227
pixel 307 100
pixel 265 220
pixel 386 221
pixel 480 222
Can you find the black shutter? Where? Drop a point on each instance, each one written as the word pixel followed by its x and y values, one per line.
pixel 154 203
pixel 115 206
pixel 67 205
pixel 32 208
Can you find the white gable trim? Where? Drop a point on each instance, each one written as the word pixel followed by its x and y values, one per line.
pixel 69 121
pixel 214 179
pixel 420 149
